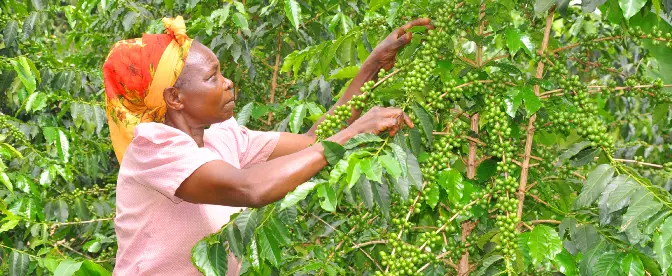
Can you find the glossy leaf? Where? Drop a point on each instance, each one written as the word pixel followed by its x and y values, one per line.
pixel 298 194
pixel 293 12
pixel 333 151
pixel 595 184
pixel 631 265
pixel 543 244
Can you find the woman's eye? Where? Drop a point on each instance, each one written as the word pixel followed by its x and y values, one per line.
pixel 211 76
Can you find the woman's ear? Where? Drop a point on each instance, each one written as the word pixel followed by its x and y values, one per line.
pixel 173 98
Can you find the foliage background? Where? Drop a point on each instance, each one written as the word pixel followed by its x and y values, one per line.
pixel 57 167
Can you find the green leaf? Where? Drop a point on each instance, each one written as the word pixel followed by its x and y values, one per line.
pixel 590 5
pixel 432 195
pixel 5 180
pixel 18 264
pixel 516 40
pixel 573 150
pixel 293 12
pixel 67 268
pixel 270 250
pixel 90 268
pixel 400 156
pixel 279 231
pixel 381 194
pixel 566 263
pixel 372 169
pixel 608 265
pixel 541 6
pixel 642 207
pixel 247 221
pixel 296 118
pixel 426 121
pixel 199 258
pixel 9 225
pixel 338 171
pixel 631 7
pixel 63 146
pixel 333 151
pixel 10 32
pixel 513 101
pixel 486 263
pixel 219 259
pixel 219 16
pixel 414 172
pixel 543 243
pixel 354 171
pixel 486 169
pixel 36 101
pixel 416 140
pixel 363 188
pixel 662 245
pixel 391 165
pixel 532 101
pixel 347 72
pixel 595 184
pixel 401 185
pixel 451 181
pixel 29 25
pixel 619 197
pixel 297 195
pixel 585 237
pixel 328 196
pixel 233 236
pixel 23 70
pixel 591 256
pixel 362 138
pixel 246 111
pixel 241 21
pixel 632 265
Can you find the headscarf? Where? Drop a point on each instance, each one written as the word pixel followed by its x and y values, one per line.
pixel 135 74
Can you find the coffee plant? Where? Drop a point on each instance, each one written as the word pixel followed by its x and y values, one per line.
pixel 542 138
pixel 542 145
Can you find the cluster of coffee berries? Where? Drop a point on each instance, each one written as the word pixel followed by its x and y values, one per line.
pixel 667 167
pixel 452 90
pixel 439 157
pixel 406 259
pixel 334 123
pixel 658 37
pixel 561 121
pixel 13 131
pixel 372 22
pixel 507 229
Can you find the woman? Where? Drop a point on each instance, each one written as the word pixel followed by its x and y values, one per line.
pixel 178 181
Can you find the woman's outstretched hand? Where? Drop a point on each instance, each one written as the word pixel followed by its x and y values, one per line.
pixel 385 54
pixel 380 119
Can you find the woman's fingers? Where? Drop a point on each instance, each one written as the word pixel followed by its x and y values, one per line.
pixel 417 22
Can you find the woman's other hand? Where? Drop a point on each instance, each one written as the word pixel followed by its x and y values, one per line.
pixel 385 54
pixel 380 119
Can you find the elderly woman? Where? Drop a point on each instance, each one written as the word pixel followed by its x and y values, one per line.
pixel 179 181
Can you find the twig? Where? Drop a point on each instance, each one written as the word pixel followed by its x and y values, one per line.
pixel 551 221
pixel 274 80
pixel 79 222
pixel 368 243
pixel 639 163
pixel 530 124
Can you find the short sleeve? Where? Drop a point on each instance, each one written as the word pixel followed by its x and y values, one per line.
pixel 161 158
pixel 252 146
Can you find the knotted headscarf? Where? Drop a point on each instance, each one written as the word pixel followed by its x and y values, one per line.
pixel 135 73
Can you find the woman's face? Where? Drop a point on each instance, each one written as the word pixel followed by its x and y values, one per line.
pixel 206 96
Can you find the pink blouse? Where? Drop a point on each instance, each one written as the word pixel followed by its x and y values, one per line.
pixel 155 229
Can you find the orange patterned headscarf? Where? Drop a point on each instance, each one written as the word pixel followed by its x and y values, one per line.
pixel 135 73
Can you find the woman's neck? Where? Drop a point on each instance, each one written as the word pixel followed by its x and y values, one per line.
pixel 178 121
